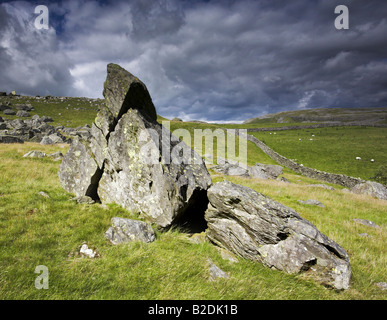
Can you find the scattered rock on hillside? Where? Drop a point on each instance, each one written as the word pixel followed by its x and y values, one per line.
pixel 56 156
pixel 367 223
pixel 373 189
pixel 131 160
pixel 128 230
pixel 34 154
pixel 22 113
pixel 259 170
pixel 10 139
pixel 258 228
pixel 85 251
pixel 381 285
pixel 312 202
pixel 216 272
pixel 9 112
pixel 83 200
pixel 43 194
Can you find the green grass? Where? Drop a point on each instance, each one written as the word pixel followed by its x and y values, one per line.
pixel 49 231
pixel 71 112
pixel 332 149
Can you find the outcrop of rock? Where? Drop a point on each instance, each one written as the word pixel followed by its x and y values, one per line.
pixel 258 228
pixel 35 129
pixel 128 230
pixel 131 160
pixel 373 189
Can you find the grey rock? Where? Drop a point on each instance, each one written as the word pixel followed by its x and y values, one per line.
pixel 128 230
pixel 258 228
pixel 56 156
pixel 259 170
pixel 131 160
pixel 312 202
pixel 3 126
pixel 373 189
pixel 10 139
pixel 35 154
pixel 83 200
pixel 79 172
pixel 22 113
pixel 271 171
pixel 43 194
pixel 367 223
pixel 26 107
pixel 283 179
pixel 216 272
pixel 364 235
pixel 9 112
pixel 381 285
pixel 46 119
pixel 85 251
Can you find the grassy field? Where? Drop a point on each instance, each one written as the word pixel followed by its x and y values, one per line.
pixel 332 149
pixel 35 230
pixel 49 231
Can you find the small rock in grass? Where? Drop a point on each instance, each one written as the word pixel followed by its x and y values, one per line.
pixel 312 202
pixel 56 156
pixel 364 235
pixel 216 272
pixel 83 199
pixel 381 285
pixel 34 154
pixel 367 223
pixel 86 251
pixel 43 194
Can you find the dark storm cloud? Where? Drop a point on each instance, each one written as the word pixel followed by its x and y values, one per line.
pixel 206 60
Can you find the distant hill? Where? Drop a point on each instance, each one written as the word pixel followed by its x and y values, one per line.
pixel 326 115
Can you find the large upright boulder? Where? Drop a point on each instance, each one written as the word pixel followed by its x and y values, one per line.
pixel 131 160
pixel 258 228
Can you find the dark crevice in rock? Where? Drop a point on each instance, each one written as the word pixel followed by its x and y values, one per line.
pixel 192 219
pixel 92 190
pixel 308 264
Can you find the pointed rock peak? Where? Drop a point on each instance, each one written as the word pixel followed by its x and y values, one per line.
pixel 124 91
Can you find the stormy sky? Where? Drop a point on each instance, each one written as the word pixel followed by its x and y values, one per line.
pixel 205 60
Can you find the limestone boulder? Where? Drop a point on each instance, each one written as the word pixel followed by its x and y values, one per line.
pixel 373 189
pixel 131 160
pixel 258 228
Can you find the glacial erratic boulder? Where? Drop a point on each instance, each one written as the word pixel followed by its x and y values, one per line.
pixel 258 228
pixel 133 161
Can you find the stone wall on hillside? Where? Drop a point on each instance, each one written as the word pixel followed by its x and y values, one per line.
pixel 339 179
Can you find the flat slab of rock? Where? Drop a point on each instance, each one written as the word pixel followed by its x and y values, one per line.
pixel 35 154
pixel 258 228
pixel 10 139
pixel 128 230
pixel 312 202
pixel 216 272
pixel 367 223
